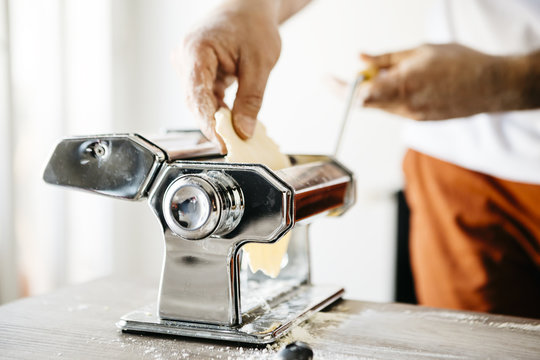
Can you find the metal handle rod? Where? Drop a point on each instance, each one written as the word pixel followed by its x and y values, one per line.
pixel 345 119
pixel 364 75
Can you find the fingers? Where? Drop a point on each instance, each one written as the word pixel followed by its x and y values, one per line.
pixel 387 60
pixel 223 81
pixel 252 78
pixel 404 86
pixel 383 88
pixel 198 70
pixel 393 94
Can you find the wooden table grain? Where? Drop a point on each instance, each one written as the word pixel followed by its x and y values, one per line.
pixel 79 323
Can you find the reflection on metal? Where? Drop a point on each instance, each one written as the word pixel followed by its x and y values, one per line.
pixel 262 327
pixel 196 206
pixel 208 210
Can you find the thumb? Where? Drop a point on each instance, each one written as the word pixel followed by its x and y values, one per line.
pixel 251 84
pixel 383 89
pixel 387 60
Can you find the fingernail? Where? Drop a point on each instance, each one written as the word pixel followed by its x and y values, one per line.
pixel 244 126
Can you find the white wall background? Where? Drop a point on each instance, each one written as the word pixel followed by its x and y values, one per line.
pixel 83 67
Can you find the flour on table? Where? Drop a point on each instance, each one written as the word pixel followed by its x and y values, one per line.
pixel 258 149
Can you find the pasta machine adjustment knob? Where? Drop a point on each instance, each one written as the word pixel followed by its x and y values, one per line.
pixel 197 206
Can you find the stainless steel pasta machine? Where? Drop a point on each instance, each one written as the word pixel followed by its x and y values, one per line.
pixel 208 210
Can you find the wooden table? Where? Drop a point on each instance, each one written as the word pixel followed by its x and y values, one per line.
pixel 79 323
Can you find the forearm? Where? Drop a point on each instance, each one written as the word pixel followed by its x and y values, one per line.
pixel 288 8
pixel 438 82
pixel 531 81
pixel 519 83
pixel 279 10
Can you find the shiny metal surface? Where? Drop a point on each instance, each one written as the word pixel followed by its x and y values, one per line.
pixel 196 206
pixel 232 201
pixel 319 187
pixel 120 166
pixel 257 289
pixel 200 279
pixel 261 327
pixel 208 210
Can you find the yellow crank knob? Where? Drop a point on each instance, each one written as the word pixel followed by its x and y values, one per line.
pixel 369 72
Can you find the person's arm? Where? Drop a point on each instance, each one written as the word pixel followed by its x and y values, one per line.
pixel 531 84
pixel 436 82
pixel 238 41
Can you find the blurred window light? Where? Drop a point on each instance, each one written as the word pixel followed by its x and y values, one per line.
pixel 57 82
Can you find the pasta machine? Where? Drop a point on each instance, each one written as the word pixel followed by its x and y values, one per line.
pixel 208 210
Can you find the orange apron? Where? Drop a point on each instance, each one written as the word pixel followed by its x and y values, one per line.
pixel 474 238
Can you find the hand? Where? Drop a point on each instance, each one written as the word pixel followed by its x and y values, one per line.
pixel 435 82
pixel 239 41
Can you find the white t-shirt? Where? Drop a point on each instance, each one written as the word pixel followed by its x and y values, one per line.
pixel 505 145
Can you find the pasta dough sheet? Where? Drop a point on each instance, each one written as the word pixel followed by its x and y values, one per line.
pixel 262 150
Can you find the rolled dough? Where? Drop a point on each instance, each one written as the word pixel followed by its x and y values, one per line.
pixel 259 149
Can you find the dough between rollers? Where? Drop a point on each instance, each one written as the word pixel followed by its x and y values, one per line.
pixel 258 149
